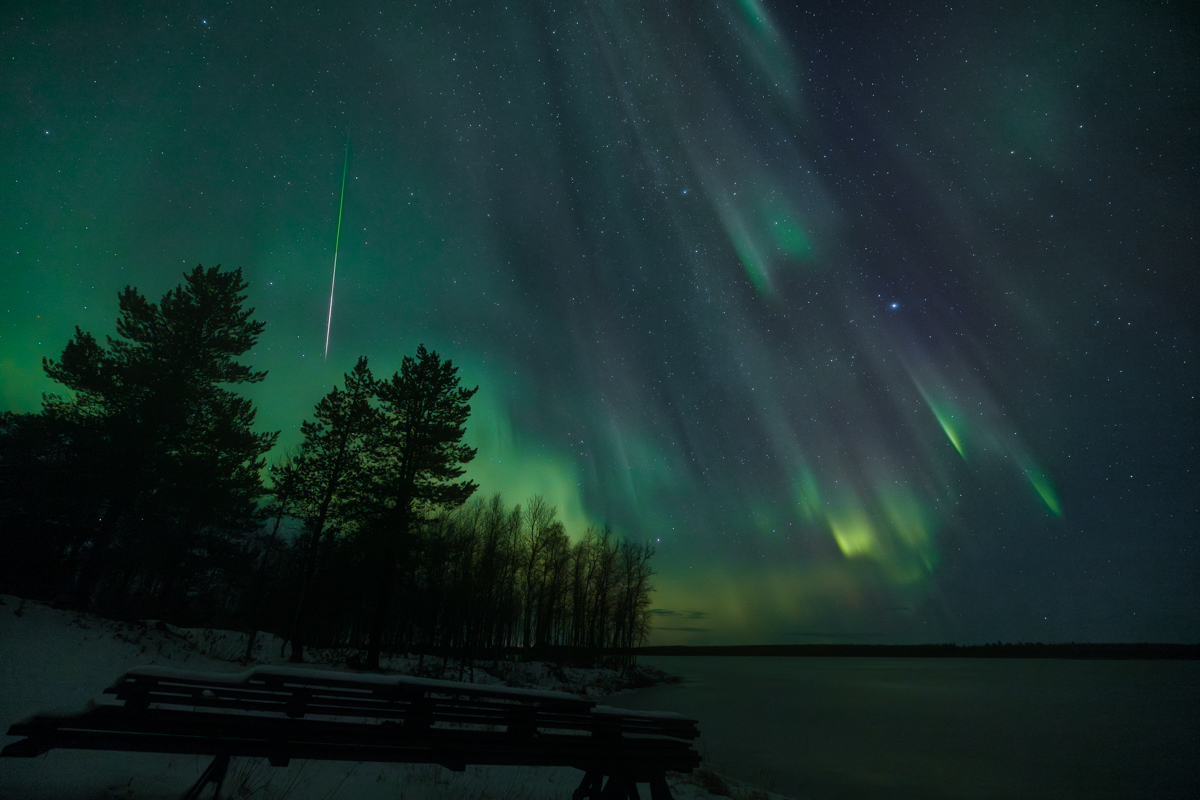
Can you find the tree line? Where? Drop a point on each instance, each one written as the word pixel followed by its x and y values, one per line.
pixel 141 491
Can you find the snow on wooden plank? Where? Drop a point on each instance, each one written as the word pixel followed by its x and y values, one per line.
pixel 299 675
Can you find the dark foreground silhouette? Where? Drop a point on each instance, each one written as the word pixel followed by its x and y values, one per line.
pixel 281 713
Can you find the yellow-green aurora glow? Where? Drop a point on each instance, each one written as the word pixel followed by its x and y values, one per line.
pixel 878 324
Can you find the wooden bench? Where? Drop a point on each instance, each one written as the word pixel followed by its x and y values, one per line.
pixel 281 713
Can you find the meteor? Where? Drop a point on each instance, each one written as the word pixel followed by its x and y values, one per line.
pixel 337 241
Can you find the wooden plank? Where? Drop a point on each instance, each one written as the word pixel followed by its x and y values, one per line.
pixel 280 738
pixel 285 676
pixel 432 711
pixel 283 713
pixel 390 697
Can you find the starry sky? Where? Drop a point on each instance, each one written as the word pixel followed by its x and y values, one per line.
pixel 878 320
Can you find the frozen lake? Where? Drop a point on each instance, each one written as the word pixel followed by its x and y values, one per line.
pixel 941 728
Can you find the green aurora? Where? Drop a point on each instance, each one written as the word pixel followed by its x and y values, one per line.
pixel 879 324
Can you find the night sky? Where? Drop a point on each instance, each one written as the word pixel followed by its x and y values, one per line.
pixel 879 321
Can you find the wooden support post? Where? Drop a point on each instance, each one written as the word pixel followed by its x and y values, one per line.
pixel 589 787
pixel 214 774
pixel 659 789
pixel 620 787
pixel 297 704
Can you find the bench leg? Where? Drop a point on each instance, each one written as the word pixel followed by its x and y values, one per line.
pixel 214 774
pixel 589 787
pixel 620 787
pixel 659 789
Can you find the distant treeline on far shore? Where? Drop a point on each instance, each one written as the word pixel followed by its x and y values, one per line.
pixel 1086 650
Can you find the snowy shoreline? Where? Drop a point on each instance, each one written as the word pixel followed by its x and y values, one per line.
pixel 53 659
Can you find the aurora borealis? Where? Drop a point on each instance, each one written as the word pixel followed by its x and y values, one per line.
pixel 880 321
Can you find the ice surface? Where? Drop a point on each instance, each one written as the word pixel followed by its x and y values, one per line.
pixel 899 728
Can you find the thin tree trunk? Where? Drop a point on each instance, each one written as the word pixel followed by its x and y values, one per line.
pixel 256 591
pixel 387 579
pixel 93 565
pixel 296 634
pixel 250 646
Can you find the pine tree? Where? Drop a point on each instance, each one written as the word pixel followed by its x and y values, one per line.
pixel 329 472
pixel 417 465
pixel 168 439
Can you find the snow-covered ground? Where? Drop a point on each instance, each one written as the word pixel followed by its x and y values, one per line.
pixel 57 660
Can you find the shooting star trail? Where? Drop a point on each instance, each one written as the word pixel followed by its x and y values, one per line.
pixel 336 242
